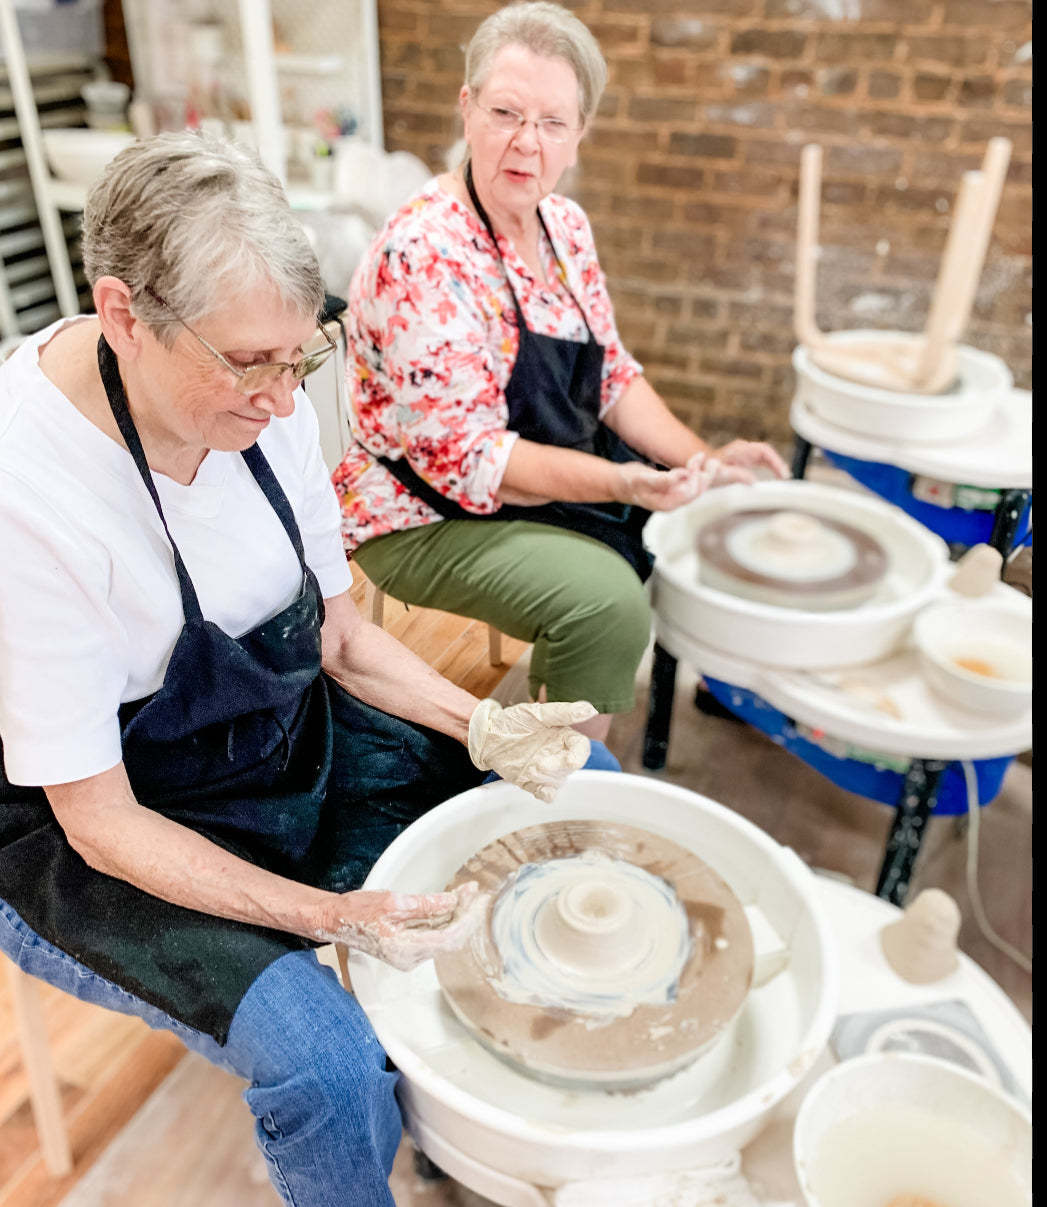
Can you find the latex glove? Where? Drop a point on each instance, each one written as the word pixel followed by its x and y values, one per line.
pixel 404 929
pixel 530 745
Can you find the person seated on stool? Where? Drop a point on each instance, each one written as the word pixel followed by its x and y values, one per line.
pixel 204 746
pixel 490 390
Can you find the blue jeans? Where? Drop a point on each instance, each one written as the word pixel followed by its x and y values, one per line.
pixel 326 1116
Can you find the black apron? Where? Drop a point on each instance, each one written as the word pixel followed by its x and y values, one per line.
pixel 553 396
pixel 249 744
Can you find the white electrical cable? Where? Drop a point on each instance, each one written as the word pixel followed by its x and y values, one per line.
pixel 974 817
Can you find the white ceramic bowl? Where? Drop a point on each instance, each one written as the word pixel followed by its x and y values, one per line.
pixel 881 1126
pixel 892 415
pixel 977 653
pixel 80 155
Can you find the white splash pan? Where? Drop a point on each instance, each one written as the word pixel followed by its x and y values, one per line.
pixel 918 566
pixel 502 1133
pixel 893 415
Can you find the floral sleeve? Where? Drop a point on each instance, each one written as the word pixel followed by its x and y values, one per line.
pixel 428 362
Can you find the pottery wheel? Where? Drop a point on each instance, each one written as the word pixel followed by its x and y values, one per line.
pixel 791 557
pixel 609 956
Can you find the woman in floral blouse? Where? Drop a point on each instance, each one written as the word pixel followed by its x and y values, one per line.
pixel 507 447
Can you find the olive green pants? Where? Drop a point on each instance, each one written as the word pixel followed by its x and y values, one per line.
pixel 580 603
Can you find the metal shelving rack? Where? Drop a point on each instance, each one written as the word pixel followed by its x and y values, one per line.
pixel 29 296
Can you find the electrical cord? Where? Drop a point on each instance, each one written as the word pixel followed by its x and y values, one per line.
pixel 973 833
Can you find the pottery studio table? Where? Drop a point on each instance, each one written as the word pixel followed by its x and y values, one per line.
pixel 965 1017
pixel 970 491
pixel 832 721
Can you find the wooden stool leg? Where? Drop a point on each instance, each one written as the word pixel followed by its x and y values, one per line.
pixel 494 645
pixel 375 603
pixel 43 1085
pixel 343 966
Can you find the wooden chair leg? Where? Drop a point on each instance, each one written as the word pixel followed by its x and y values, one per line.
pixel 43 1084
pixel 374 601
pixel 342 953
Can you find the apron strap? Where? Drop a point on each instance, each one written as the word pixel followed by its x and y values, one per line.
pixel 482 214
pixel 260 468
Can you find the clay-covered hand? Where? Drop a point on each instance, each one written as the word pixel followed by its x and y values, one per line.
pixel 404 929
pixel 530 745
pixel 738 460
pixel 653 489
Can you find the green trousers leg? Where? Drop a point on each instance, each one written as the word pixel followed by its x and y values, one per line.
pixel 580 603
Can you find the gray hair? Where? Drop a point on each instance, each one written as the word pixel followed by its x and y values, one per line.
pixel 200 221
pixel 544 29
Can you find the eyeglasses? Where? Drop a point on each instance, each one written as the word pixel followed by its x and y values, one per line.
pixel 508 121
pixel 264 376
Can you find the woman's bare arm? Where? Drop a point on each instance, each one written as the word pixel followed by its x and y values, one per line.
pixel 116 835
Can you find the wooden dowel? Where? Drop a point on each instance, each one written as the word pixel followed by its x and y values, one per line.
pixel 809 200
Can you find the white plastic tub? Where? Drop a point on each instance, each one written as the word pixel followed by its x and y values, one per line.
pixel 918 566
pixel 503 1133
pixel 893 415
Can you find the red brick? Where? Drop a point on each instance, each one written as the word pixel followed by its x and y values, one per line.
pixel 855 48
pixel 953 50
pixel 694 33
pixel 711 146
pixel 772 43
pixel 884 85
pixel 927 87
pixel 661 109
pixel 1011 15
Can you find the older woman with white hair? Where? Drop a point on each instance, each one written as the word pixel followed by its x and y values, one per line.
pixel 508 449
pixel 204 746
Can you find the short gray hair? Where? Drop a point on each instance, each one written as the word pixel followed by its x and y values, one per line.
pixel 544 29
pixel 199 220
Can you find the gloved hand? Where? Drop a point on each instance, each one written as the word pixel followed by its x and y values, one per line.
pixel 530 745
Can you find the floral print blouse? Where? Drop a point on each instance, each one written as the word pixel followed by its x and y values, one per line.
pixel 432 338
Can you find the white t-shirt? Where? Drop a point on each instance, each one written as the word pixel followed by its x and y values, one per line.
pixel 89 603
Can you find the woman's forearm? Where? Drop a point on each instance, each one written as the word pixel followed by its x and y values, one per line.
pixel 536 473
pixel 114 834
pixel 645 423
pixel 375 668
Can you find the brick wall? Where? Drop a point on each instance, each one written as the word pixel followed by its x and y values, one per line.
pixel 689 173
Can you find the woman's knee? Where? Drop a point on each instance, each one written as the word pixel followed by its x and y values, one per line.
pixel 297 1025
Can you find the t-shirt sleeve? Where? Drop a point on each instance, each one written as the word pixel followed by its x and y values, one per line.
pixel 424 374
pixel 63 654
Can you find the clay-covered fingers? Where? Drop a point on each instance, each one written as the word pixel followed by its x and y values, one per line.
pixel 403 929
pixel 752 454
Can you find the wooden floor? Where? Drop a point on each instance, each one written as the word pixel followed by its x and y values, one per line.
pixel 154 1127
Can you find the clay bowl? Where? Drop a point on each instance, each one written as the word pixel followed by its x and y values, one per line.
pixel 790 558
pixel 910 1130
pixel 610 957
pixel 977 654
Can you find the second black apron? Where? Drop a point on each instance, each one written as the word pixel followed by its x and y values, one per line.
pixel 553 397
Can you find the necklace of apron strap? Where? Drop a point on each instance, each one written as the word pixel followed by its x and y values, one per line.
pixel 482 214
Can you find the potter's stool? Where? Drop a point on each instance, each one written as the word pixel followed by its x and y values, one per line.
pixel 44 1097
pixel 977 490
pixel 913 762
pixel 374 601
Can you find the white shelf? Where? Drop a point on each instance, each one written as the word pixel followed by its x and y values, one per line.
pixel 309 64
